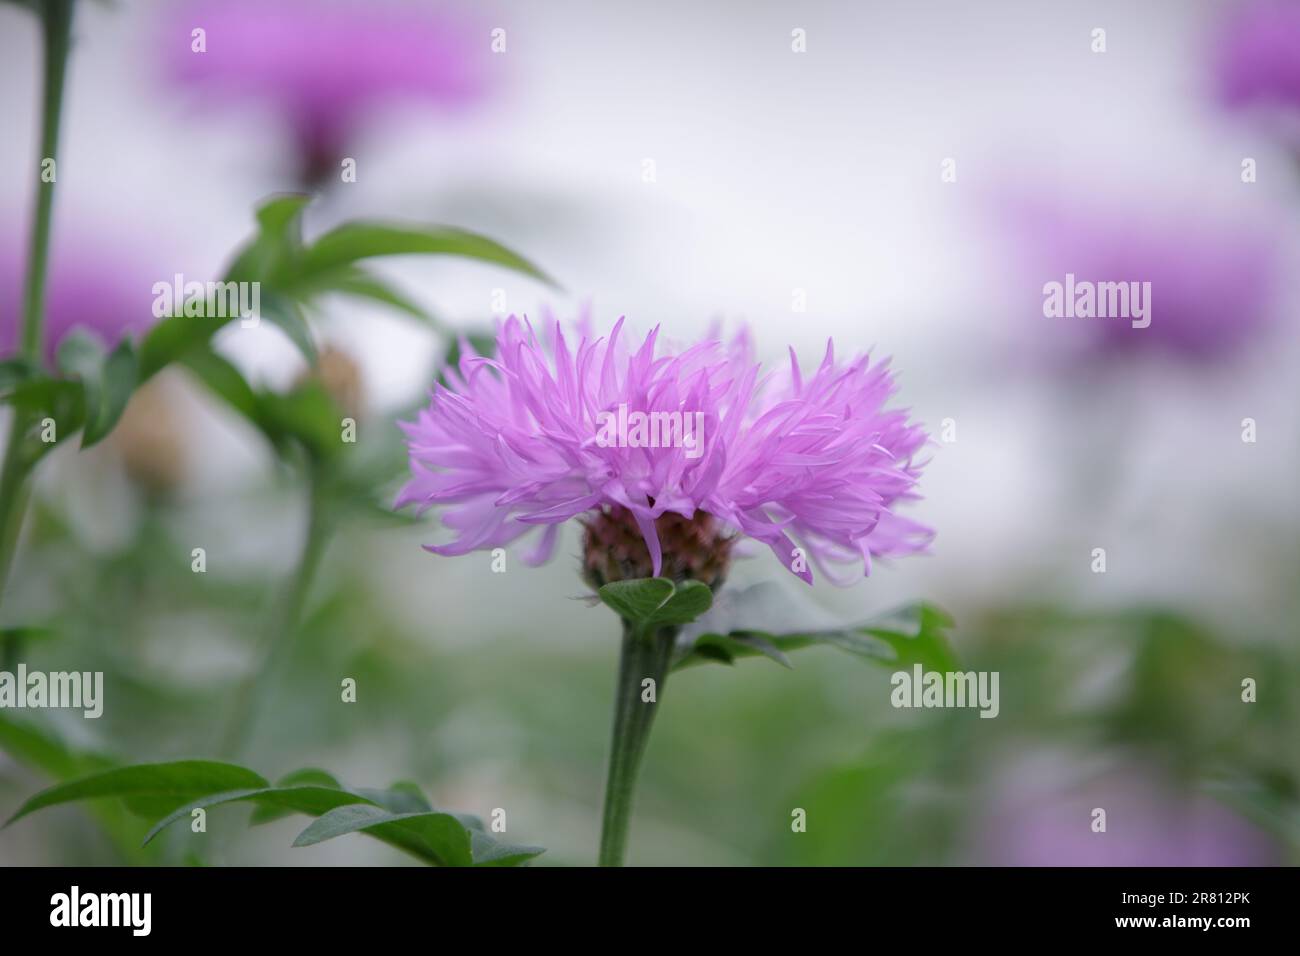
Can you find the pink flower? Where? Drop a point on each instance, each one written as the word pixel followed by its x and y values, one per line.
pixel 1259 55
pixel 325 66
pixel 1206 284
pixel 812 466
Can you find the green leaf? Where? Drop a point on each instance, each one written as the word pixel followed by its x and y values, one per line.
pixel 353 241
pixel 33 746
pixel 311 800
pixel 226 381
pixel 274 252
pixel 763 621
pixel 400 816
pixel 437 837
pixel 61 400
pixel 116 384
pixel 307 414
pixel 487 852
pixel 183 780
pixel 637 599
pixel 267 258
pixel 25 634
pixel 14 371
pixel 106 380
pixel 657 602
pixel 80 354
pixel 404 797
pixel 918 635
pixel 286 315
pixel 764 647
pixel 173 338
pixel 688 601
pixel 308 776
pixel 359 283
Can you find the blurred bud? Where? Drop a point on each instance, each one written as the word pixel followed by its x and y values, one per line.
pixel 149 439
pixel 340 376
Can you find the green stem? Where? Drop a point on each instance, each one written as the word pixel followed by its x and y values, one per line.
pixel 57 23
pixel 56 27
pixel 644 654
pixel 282 622
pixel 14 492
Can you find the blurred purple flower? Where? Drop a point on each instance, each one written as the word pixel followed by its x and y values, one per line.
pixel 1149 822
pixel 104 292
pixel 326 66
pixel 1211 282
pixel 1259 55
pixel 512 444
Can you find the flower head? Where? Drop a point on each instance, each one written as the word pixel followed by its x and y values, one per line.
pixel 1206 283
pixel 814 467
pixel 325 66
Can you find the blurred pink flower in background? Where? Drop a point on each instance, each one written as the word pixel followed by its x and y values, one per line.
pixel 1039 821
pixel 92 284
pixel 1259 54
pixel 325 65
pixel 1212 282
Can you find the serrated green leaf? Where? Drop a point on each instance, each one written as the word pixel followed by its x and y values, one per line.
pixel 354 241
pixel 182 779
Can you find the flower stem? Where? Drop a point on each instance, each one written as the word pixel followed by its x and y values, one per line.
pixel 644 654
pixel 281 624
pixel 56 22
pixel 56 27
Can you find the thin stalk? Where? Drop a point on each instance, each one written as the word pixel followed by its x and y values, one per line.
pixel 644 655
pixel 14 492
pixel 282 622
pixel 56 29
